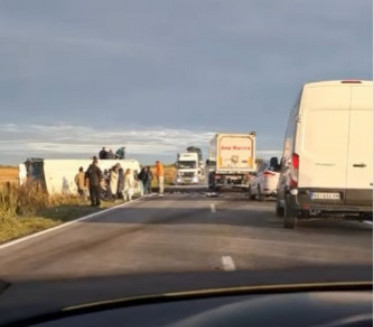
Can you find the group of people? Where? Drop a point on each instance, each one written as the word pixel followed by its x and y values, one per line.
pixel 109 154
pixel 116 183
pixel 106 154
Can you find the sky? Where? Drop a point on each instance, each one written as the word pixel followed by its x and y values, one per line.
pixel 158 76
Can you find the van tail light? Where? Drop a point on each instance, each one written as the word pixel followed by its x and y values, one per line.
pixel 268 173
pixel 295 171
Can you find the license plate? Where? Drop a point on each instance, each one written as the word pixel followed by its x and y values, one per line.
pixel 324 196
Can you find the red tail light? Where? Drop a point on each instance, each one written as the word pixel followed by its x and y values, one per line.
pixel 295 161
pixel 295 171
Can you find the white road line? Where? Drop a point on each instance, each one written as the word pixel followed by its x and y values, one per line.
pixel 90 216
pixel 213 208
pixel 369 222
pixel 228 263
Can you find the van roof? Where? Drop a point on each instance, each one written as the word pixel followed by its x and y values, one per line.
pixel 339 82
pixel 330 95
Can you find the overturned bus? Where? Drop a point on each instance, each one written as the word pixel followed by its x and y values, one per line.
pixel 58 175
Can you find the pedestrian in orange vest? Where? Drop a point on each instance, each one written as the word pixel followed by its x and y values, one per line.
pixel 160 177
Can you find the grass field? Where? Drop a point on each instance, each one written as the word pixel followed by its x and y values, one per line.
pixel 8 174
pixel 170 175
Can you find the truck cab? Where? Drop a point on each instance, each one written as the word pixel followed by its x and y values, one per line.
pixel 188 168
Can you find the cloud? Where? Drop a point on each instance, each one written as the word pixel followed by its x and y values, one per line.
pixel 83 141
pixel 51 139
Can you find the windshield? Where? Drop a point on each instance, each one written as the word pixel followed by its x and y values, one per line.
pixel 187 164
pixel 100 103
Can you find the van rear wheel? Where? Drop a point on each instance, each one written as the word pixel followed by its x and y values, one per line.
pixel 290 216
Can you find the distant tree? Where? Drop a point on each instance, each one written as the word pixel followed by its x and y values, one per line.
pixel 196 150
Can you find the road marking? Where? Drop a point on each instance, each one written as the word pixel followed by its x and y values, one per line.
pixel 228 263
pixel 45 231
pixel 213 208
pixel 369 222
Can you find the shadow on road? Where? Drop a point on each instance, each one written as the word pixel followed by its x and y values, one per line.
pixel 152 211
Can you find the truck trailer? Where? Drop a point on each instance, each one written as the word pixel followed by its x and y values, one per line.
pixel 232 157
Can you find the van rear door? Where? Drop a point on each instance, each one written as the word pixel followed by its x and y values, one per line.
pixel 360 147
pixel 322 139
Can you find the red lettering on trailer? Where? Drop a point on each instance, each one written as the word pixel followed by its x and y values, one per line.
pixel 235 147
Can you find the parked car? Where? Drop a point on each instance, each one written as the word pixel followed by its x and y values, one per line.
pixel 264 183
pixel 327 161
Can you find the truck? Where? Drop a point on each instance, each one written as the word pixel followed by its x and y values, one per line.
pixel 188 168
pixel 232 157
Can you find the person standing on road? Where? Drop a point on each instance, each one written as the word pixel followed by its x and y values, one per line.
pixel 80 182
pixel 94 177
pixel 160 177
pixel 114 182
pixel 121 181
pixel 143 177
pixel 149 180
pixel 128 185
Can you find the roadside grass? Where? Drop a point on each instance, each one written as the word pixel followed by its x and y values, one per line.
pixel 28 208
pixel 170 175
pixel 12 227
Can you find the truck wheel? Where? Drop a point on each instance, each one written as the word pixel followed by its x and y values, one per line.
pixel 279 211
pixel 290 216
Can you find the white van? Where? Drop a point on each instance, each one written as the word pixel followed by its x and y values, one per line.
pixel 327 162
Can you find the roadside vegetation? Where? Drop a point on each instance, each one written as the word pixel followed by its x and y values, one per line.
pixel 28 209
pixel 170 175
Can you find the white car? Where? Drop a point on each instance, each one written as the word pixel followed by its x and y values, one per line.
pixel 264 184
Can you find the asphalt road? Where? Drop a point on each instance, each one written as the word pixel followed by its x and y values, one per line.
pixel 186 231
pixel 189 231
